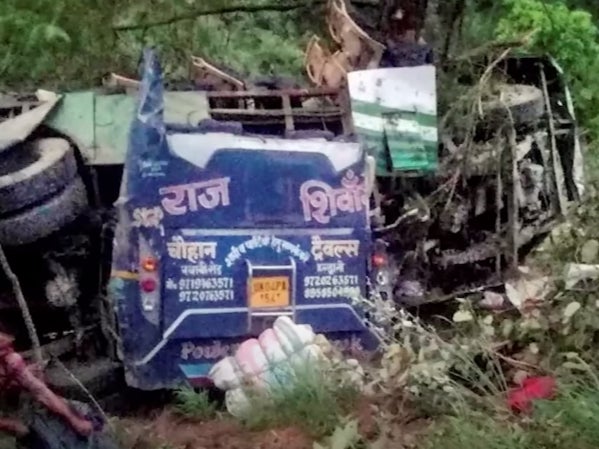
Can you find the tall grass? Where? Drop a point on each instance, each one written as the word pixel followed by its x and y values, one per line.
pixel 307 397
pixel 569 421
pixel 194 405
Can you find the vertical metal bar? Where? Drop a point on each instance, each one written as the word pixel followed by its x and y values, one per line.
pixel 289 124
pixel 555 157
pixel 344 102
pixel 498 202
pixel 293 288
pixel 514 216
pixel 249 293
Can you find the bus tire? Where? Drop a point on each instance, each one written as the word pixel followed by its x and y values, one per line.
pixel 42 220
pixel 34 172
pixel 524 104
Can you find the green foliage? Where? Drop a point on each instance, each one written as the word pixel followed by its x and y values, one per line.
pixel 571 420
pixel 311 398
pixel 71 44
pixel 572 417
pixel 194 405
pixel 569 35
pixel 438 370
pixel 476 430
pixel 24 31
pixel 565 33
pixel 345 436
pixel 560 333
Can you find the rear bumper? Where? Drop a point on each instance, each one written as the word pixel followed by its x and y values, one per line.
pixel 180 362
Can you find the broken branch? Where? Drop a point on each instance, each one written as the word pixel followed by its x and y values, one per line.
pixel 492 47
pixel 194 14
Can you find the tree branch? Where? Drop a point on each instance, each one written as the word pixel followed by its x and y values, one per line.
pixel 194 14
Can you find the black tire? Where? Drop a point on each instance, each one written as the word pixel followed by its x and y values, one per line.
pixel 42 220
pixel 35 172
pixel 525 103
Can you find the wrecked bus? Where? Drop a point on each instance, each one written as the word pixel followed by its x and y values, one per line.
pixel 220 232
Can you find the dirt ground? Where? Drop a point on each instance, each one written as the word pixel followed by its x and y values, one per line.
pixel 167 430
pixel 164 429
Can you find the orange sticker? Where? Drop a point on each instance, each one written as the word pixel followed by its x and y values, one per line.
pixel 266 292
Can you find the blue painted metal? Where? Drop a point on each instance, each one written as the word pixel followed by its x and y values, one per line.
pixel 217 208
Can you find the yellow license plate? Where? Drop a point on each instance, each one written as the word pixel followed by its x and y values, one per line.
pixel 267 292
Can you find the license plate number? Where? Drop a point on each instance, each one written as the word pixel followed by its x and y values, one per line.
pixel 265 292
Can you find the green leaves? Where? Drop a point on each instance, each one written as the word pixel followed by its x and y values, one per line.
pixel 53 33
pixel 571 36
pixel 65 44
pixel 345 436
pixel 46 34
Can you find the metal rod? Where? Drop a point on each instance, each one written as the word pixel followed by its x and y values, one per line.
pixel 555 158
pixel 18 292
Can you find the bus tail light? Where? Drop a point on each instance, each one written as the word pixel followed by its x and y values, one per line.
pixel 148 285
pixel 149 264
pixel 149 281
pixel 378 260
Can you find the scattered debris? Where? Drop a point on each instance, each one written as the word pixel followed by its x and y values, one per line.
pixel 497 140
pixel 495 185
pixel 23 120
pixel 462 316
pixel 575 273
pixel 527 287
pixel 589 251
pixel 63 290
pixel 492 300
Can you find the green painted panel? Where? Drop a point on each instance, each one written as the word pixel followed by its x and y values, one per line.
pixel 114 114
pixel 375 109
pixel 408 148
pixel 394 111
pixel 74 117
pixel 99 124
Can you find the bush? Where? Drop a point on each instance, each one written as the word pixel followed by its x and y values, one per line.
pixel 194 405
pixel 571 420
pixel 312 399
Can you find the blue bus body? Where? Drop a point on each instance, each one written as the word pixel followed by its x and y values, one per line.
pixel 220 232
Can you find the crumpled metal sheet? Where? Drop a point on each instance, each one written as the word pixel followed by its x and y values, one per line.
pixel 578 171
pixel 17 129
pixel 577 272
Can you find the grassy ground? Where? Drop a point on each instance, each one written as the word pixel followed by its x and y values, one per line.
pixel 312 405
pixel 571 420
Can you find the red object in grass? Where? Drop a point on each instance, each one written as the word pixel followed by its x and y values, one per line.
pixel 534 388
